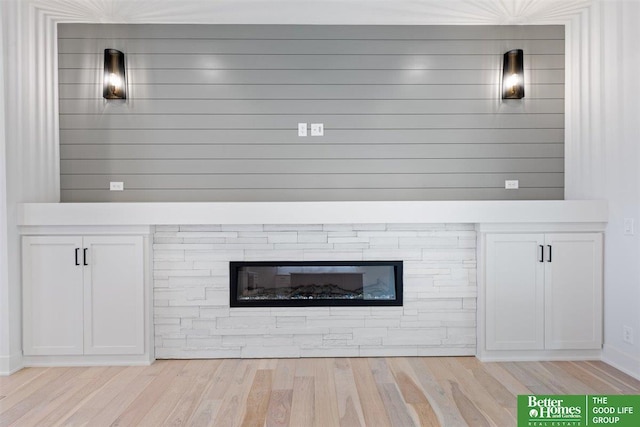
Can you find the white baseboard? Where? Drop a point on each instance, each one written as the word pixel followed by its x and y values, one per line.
pixel 625 362
pixel 10 364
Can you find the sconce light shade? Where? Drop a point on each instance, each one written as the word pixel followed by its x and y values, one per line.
pixel 115 86
pixel 513 75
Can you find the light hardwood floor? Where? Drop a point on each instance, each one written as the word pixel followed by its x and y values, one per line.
pixel 398 391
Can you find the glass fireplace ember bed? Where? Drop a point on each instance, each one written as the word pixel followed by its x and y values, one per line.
pixel 315 283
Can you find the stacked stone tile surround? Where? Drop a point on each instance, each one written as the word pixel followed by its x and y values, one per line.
pixel 192 318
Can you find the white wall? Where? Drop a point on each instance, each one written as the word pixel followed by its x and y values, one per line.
pixel 601 134
pixel 4 260
pixel 621 120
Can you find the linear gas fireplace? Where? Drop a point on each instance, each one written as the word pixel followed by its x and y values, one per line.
pixel 315 283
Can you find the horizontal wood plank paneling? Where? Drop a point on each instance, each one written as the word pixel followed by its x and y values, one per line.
pixel 286 136
pixel 190 91
pixel 315 106
pixel 308 151
pixel 410 113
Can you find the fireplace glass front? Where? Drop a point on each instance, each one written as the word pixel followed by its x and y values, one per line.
pixel 317 283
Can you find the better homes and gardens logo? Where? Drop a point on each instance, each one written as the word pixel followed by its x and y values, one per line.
pixel 578 410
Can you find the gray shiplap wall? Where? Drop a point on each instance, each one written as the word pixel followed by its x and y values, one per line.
pixel 410 113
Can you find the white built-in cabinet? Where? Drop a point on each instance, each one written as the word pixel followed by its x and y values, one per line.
pixel 83 295
pixel 542 291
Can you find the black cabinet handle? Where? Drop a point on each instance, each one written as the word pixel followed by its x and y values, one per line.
pixel 77 249
pixel 541 259
pixel 84 256
pixel 549 259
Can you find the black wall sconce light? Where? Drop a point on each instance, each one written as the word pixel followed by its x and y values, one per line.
pixel 513 75
pixel 115 86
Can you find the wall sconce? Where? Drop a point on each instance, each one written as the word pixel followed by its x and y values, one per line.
pixel 115 86
pixel 513 75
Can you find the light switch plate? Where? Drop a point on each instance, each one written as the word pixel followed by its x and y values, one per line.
pixel 629 227
pixel 317 129
pixel 302 129
pixel 116 186
pixel 511 184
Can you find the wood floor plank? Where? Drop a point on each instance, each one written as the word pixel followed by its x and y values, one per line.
pixel 15 395
pixel 187 404
pixel 587 377
pixel 396 407
pixel 233 404
pixel 442 401
pixel 255 414
pixel 466 388
pixel 103 396
pixel 326 404
pixel 529 379
pixel 402 391
pixel 279 410
pixel 372 405
pixel 285 371
pixel 616 375
pixel 464 403
pixel 161 383
pixel 303 409
pixel 52 401
pixel 413 394
pixel 476 380
pixel 349 406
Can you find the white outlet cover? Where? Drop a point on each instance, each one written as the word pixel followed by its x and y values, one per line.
pixel 629 227
pixel 317 129
pixel 116 186
pixel 511 184
pixel 302 129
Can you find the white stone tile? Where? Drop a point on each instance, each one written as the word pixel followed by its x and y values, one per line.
pixel 243 227
pixel 168 240
pixel 314 255
pixel 466 243
pixel 336 322
pixel 312 237
pixel 384 242
pixel 174 342
pixel 293 227
pixel 166 321
pixel 428 242
pixel 167 329
pixel 446 254
pixel 270 352
pixel 469 303
pixel 182 246
pixel 390 254
pixel 166 228
pixel 208 342
pixel 382 322
pixel 275 255
pixel 329 337
pixel 214 312
pixel 212 255
pixel 388 351
pixel 290 321
pixel 196 228
pixel 162 312
pixel 166 255
pixel 207 235
pixel 246 322
pixel 302 246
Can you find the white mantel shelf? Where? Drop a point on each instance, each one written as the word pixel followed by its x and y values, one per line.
pixel 479 212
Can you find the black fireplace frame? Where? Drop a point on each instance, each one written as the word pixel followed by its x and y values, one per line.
pixel 234 302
